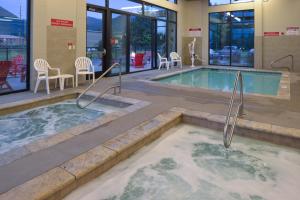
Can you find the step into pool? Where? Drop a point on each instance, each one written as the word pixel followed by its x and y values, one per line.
pixel 21 128
pixel 255 82
pixel 191 163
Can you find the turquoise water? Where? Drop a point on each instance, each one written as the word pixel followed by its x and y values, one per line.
pixel 264 83
pixel 21 128
pixel 191 163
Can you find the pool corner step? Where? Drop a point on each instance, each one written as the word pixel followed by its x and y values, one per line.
pixel 60 181
pixel 257 130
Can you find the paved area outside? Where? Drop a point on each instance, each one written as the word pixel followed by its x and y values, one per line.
pixel 268 110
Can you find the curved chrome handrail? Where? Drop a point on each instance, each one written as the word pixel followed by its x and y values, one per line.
pixel 227 137
pixel 291 68
pixel 105 91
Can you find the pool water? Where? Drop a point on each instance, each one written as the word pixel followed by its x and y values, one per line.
pixel 265 83
pixel 191 163
pixel 24 127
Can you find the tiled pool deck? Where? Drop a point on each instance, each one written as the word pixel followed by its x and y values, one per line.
pixel 36 169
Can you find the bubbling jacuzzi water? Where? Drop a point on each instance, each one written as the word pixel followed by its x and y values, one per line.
pixel 21 128
pixel 190 163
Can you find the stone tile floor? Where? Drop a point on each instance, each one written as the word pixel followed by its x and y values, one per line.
pixel 267 110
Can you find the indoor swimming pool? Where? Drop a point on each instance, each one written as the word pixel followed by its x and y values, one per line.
pixel 255 82
pixel 189 163
pixel 19 129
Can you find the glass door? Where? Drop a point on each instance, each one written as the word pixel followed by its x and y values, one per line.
pixel 119 41
pixel 95 37
pixel 140 43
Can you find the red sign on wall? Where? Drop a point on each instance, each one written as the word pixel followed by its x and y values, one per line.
pixel 271 33
pixel 195 29
pixel 62 22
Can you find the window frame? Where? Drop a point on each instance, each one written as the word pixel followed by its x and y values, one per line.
pixel 230 3
pixel 28 52
pixel 230 41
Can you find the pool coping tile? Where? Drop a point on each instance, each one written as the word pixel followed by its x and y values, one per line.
pixel 257 130
pixel 283 88
pixel 55 181
pixel 51 140
pixel 58 182
pixel 86 166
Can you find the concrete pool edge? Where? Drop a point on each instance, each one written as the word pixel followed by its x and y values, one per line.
pixel 286 136
pixel 284 88
pixel 51 140
pixel 58 182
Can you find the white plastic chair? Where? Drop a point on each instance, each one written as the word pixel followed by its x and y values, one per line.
pixel 84 66
pixel 42 67
pixel 163 61
pixel 175 58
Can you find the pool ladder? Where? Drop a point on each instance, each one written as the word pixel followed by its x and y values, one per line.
pixel 290 68
pixel 118 85
pixel 231 120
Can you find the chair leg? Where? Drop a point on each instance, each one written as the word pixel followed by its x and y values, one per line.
pixel 37 85
pixel 93 77
pixel 73 81
pixel 159 67
pixel 76 80
pixel 47 86
pixel 61 83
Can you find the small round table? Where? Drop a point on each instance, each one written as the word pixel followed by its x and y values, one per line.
pixel 66 77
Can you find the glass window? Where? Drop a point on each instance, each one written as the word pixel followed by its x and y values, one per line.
pixel 96 2
pixel 140 43
pixel 172 37
pixel 155 11
pixel 222 2
pixel 94 38
pixel 219 17
pixel 13 45
pixel 172 16
pixel 127 6
pixel 172 1
pixel 218 2
pixel 119 41
pixel 232 41
pixel 161 38
pixel 240 1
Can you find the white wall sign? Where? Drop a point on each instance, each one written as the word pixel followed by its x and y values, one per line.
pixel 293 31
pixel 194 32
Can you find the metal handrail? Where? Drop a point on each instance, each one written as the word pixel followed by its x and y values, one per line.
pixel 227 138
pixel 284 57
pixel 105 91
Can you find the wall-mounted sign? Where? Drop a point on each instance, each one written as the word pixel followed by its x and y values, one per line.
pixel 269 34
pixel 62 22
pixel 194 32
pixel 293 31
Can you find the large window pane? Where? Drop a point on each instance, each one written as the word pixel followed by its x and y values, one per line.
pixel 119 41
pixel 161 38
pixel 172 16
pixel 219 44
pixel 96 2
pixel 172 37
pixel 140 43
pixel 155 11
pixel 126 5
pixel 13 45
pixel 232 41
pixel 240 1
pixel 242 53
pixel 222 2
pixel 94 42
pixel 219 17
pixel 218 2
